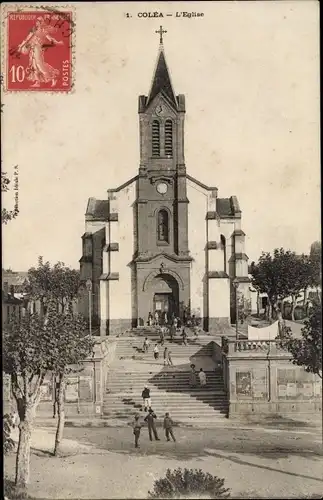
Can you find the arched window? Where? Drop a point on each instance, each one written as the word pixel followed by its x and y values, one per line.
pixel 163 226
pixel 155 138
pixel 224 250
pixel 169 138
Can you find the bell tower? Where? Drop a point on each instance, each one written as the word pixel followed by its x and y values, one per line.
pixel 162 204
pixel 162 173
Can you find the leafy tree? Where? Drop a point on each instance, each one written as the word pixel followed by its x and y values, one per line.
pixel 8 215
pixel 315 260
pixel 298 276
pixel 269 276
pixel 306 351
pixel 281 275
pixel 71 345
pixel 32 347
pixel 58 283
pixel 27 356
pixel 189 483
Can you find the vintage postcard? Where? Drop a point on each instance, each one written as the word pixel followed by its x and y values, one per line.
pixel 161 258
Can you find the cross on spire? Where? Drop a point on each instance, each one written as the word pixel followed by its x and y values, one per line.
pixel 161 31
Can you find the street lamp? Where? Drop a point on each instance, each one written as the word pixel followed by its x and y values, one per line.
pixel 89 289
pixel 235 283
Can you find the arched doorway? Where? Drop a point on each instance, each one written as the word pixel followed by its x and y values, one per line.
pixel 164 293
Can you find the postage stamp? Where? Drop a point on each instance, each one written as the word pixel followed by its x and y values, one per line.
pixel 39 50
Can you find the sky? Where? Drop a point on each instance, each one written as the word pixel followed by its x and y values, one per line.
pixel 250 75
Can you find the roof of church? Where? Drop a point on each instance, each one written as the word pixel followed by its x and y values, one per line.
pixel 97 209
pixel 227 207
pixel 161 81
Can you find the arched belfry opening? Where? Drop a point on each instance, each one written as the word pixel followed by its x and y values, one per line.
pixel 163 226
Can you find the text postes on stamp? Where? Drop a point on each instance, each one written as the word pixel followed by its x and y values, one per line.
pixel 39 51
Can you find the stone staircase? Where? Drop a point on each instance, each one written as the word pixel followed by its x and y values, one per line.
pixel 169 385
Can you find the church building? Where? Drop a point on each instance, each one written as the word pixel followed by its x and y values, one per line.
pixel 162 241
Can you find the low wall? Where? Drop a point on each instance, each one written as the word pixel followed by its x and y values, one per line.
pixel 262 380
pixel 85 389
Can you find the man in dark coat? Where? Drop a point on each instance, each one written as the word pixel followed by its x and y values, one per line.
pixel 150 419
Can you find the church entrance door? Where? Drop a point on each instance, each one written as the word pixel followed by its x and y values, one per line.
pixel 164 302
pixel 165 295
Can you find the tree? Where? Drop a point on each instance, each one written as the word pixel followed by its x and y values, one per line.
pixel 71 345
pixel 315 260
pixel 281 275
pixel 189 483
pixel 32 347
pixel 269 276
pixel 58 283
pixel 306 351
pixel 7 215
pixel 298 277
pixel 27 355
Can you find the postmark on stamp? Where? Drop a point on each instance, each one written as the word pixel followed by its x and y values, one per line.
pixel 39 50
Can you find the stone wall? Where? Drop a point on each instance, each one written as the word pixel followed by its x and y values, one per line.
pixel 262 380
pixel 84 391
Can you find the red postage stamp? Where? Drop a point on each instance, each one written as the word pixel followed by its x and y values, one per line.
pixel 39 51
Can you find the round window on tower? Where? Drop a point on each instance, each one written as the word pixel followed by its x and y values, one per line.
pixel 162 188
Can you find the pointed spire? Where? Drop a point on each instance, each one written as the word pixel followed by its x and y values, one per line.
pixel 161 80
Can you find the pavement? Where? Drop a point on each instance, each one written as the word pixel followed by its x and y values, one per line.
pixel 103 463
pixel 295 421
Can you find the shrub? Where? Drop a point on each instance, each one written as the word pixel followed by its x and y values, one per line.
pixel 8 424
pixel 187 483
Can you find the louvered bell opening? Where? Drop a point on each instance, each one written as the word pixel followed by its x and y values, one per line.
pixel 155 139
pixel 169 138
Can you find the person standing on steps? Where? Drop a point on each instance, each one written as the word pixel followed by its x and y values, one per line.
pixel 146 345
pixel 169 359
pixel 168 426
pixel 202 377
pixel 146 398
pixel 184 336
pixel 165 318
pixel 162 336
pixel 150 419
pixel 156 351
pixel 150 319
pixel 193 377
pixel 136 425
pixel 165 356
pixel 156 318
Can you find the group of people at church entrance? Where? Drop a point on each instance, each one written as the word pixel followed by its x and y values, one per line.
pixel 164 319
pixel 150 419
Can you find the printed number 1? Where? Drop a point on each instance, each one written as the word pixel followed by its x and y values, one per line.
pixel 17 73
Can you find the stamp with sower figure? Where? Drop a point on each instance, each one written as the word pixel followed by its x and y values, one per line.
pixel 39 50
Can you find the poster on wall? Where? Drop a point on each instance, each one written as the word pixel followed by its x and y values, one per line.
pixel 72 390
pixel 259 384
pixel 243 383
